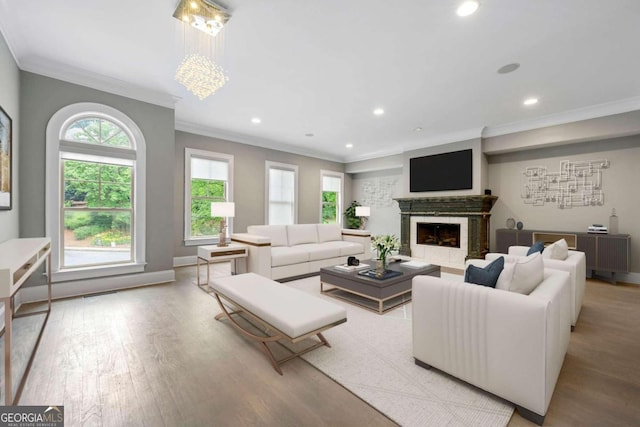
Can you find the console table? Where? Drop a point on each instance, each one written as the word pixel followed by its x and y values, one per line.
pixel 604 252
pixel 19 259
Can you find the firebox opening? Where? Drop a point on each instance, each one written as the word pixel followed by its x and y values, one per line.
pixel 438 234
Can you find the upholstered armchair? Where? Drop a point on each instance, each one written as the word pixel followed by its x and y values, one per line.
pixel 575 264
pixel 507 343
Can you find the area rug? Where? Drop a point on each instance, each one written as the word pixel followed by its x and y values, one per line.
pixel 371 357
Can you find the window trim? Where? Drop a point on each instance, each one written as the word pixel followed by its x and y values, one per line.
pixel 340 207
pixel 282 166
pixel 55 145
pixel 208 155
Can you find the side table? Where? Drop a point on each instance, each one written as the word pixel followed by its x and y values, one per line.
pixel 212 254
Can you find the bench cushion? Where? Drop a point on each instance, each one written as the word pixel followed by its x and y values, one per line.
pixel 292 311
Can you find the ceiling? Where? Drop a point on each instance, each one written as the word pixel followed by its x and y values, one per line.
pixel 321 68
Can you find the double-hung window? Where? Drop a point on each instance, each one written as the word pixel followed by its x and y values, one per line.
pixel 208 178
pixel 331 197
pixel 282 193
pixel 95 192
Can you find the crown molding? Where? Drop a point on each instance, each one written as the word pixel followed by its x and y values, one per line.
pixel 197 129
pixel 97 81
pixel 579 114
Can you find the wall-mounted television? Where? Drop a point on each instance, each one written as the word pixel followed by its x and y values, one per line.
pixel 442 172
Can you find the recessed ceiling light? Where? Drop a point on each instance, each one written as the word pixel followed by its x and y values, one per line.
pixel 418 129
pixel 509 68
pixel 256 120
pixel 378 111
pixel 349 145
pixel 308 134
pixel 467 7
pixel 530 101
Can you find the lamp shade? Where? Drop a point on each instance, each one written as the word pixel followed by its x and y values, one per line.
pixel 223 209
pixel 363 211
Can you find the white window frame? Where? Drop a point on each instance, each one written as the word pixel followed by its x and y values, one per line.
pixel 282 166
pixel 207 155
pixel 55 146
pixel 340 206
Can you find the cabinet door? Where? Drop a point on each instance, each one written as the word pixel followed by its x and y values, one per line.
pixel 525 238
pixel 587 244
pixel 504 239
pixel 613 254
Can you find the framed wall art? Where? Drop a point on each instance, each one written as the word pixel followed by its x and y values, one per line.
pixel 5 161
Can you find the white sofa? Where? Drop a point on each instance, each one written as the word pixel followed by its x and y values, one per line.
pixel 283 251
pixel 509 344
pixel 575 265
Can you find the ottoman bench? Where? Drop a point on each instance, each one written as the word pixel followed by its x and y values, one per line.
pixel 287 313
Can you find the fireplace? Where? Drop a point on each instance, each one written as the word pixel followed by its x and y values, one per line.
pixel 438 234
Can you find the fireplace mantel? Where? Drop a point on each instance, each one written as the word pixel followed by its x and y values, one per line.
pixel 476 208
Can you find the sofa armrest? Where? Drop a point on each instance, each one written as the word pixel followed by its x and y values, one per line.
pixel 507 343
pixel 259 259
pixel 518 250
pixel 359 236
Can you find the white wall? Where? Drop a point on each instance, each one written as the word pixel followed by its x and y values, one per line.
pixel 377 190
pixel 619 183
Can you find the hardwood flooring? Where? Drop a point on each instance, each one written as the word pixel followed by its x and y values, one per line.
pixel 155 356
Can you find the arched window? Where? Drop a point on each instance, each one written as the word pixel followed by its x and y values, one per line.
pixel 95 205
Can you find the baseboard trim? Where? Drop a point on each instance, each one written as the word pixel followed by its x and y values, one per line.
pixel 632 278
pixel 92 286
pixel 181 261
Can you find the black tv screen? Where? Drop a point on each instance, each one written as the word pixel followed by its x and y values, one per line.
pixel 441 172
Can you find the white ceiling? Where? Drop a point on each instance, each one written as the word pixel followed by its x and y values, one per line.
pixel 322 67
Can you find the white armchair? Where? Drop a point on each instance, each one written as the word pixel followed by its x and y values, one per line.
pixel 509 344
pixel 575 265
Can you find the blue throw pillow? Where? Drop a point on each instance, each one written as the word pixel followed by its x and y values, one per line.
pixel 536 247
pixel 487 276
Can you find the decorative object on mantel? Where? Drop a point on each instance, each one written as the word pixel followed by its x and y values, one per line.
pixel 576 184
pixel 383 245
pixel 519 225
pixel 511 223
pixel 199 72
pixel 5 161
pixel 613 222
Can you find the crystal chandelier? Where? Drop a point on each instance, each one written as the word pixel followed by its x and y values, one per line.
pixel 200 75
pixel 197 72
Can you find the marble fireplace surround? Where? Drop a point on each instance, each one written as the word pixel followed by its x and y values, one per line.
pixel 471 212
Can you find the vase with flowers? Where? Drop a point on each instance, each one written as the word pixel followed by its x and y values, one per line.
pixel 383 245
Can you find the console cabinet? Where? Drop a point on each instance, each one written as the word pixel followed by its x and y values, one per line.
pixel 604 252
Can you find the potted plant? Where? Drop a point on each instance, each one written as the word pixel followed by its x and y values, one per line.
pixel 383 245
pixel 353 221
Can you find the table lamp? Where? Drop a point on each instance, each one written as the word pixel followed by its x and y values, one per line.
pixel 223 210
pixel 363 212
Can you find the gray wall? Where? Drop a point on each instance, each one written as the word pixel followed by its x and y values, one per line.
pixel 10 102
pixel 249 185
pixel 376 190
pixel 619 184
pixel 40 98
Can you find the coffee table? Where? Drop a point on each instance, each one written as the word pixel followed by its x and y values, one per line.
pixel 372 294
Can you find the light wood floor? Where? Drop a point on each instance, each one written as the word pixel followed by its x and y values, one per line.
pixel 155 356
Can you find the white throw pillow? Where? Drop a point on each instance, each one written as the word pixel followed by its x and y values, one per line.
pixel 560 250
pixel 546 254
pixel 506 276
pixel 528 273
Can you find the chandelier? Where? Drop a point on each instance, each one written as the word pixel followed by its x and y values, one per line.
pixel 197 72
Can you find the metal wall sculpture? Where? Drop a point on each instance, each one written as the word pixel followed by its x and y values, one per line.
pixel 576 184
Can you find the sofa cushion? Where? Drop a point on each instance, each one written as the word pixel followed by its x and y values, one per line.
pixel 318 251
pixel 487 276
pixel 287 255
pixel 528 273
pixel 557 250
pixel 302 233
pixel 536 247
pixel 346 248
pixel 277 233
pixel 329 232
